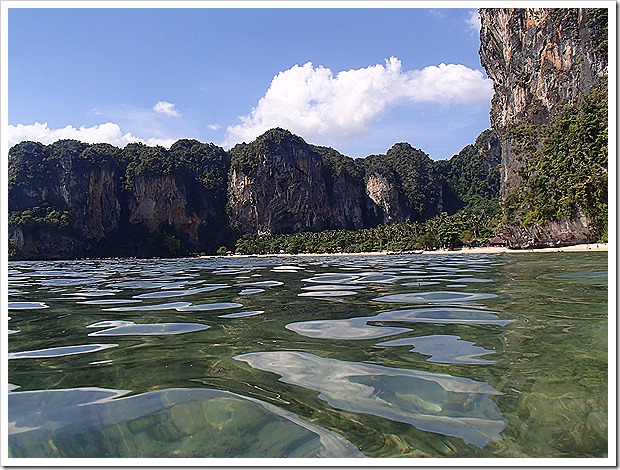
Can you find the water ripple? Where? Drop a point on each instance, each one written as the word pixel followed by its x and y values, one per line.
pixel 26 305
pixel 448 349
pixel 358 328
pixel 434 297
pixel 453 406
pixel 191 422
pixel 60 351
pixel 148 329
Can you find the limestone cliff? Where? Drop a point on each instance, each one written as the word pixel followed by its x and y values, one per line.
pixel 404 183
pixel 540 60
pixel 161 201
pixel 280 184
pixel 350 206
pixel 73 192
pixel 386 195
pixel 71 199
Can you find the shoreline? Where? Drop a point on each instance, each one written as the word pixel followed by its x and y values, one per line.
pixel 465 251
pixel 501 249
pixel 457 251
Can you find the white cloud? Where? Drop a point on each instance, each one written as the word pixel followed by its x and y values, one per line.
pixel 320 106
pixel 473 22
pixel 166 108
pixel 103 133
pixel 437 13
pixel 214 127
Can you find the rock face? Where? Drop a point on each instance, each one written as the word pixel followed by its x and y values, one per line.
pixel 101 207
pixel 280 184
pixel 555 233
pixel 51 189
pixel 71 199
pixel 386 195
pixel 161 201
pixel 539 59
pixel 350 207
pixel 404 183
pixel 282 192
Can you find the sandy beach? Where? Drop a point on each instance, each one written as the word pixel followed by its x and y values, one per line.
pixel 464 251
pixel 500 249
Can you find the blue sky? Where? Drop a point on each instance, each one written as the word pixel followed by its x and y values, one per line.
pixel 356 79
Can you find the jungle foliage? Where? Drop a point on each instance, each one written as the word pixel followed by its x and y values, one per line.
pixel 465 228
pixel 206 163
pixel 565 168
pixel 471 179
pixel 245 157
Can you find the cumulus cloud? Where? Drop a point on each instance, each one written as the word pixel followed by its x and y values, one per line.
pixel 473 22
pixel 315 103
pixel 103 133
pixel 214 127
pixel 164 107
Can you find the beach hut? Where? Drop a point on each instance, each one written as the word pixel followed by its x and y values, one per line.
pixel 497 241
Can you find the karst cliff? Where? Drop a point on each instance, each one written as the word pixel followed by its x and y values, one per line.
pixel 71 199
pixel 549 110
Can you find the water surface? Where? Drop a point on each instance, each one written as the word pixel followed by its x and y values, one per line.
pixel 346 356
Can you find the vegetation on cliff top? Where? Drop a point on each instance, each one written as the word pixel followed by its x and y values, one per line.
pixel 206 163
pixel 245 157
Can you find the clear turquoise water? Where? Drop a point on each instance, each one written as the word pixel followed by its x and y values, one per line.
pixel 346 356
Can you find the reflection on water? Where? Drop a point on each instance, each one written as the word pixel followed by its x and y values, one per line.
pixel 433 297
pixel 109 323
pixel 358 327
pixel 108 301
pixel 453 406
pixel 91 422
pixel 382 356
pixel 251 291
pixel 205 307
pixel 448 349
pixel 328 287
pixel 150 329
pixel 166 306
pixel 327 293
pixel 26 305
pixel 242 314
pixel 261 284
pixel 60 351
pixel 445 315
pixel 353 328
pixel 164 294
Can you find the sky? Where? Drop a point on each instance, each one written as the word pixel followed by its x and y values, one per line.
pixel 356 79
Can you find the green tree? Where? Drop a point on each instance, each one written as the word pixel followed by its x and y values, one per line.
pixel 564 169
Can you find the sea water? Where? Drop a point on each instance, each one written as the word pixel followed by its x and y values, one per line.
pixel 502 355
